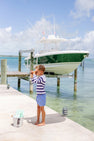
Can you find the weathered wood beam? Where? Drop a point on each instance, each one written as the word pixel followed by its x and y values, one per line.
pixel 3 71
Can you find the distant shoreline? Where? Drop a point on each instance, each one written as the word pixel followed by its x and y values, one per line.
pixel 10 56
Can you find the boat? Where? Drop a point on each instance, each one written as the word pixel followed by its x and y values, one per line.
pixel 59 62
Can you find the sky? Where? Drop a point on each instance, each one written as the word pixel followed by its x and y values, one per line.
pixel 24 22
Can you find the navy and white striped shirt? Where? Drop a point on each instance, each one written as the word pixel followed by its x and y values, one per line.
pixel 40 81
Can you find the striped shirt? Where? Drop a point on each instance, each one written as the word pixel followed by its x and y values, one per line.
pixel 40 83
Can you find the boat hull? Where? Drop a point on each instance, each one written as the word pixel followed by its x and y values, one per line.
pixel 61 63
pixel 61 68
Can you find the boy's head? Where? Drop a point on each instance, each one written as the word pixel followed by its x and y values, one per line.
pixel 40 70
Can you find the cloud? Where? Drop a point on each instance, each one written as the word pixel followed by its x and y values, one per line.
pixel 8 29
pixel 77 39
pixel 86 43
pixel 11 43
pixel 83 8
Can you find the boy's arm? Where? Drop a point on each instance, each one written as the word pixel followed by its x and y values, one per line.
pixel 33 77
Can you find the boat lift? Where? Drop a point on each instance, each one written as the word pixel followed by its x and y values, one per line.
pixel 48 74
pixel 4 74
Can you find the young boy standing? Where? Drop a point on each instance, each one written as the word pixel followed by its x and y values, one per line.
pixel 39 78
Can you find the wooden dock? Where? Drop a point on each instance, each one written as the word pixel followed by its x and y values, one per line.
pixel 16 74
pixel 57 128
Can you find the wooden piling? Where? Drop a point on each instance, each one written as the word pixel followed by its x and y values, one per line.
pixel 4 71
pixel 75 81
pixel 58 81
pixel 83 65
pixel 19 69
pixel 31 68
pixel 31 61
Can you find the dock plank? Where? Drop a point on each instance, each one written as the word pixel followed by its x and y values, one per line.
pixel 57 128
pixel 16 74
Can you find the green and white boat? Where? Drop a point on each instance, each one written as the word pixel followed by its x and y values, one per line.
pixel 58 62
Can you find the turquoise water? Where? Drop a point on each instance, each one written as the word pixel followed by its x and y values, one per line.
pixel 80 107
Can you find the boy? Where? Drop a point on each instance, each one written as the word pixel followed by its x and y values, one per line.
pixel 39 78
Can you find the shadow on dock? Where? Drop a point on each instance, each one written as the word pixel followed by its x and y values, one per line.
pixel 50 119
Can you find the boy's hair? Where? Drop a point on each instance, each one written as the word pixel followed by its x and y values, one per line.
pixel 36 67
pixel 41 67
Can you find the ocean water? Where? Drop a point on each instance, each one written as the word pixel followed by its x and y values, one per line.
pixel 80 107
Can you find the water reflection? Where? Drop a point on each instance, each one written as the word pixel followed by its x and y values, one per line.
pixel 75 95
pixel 58 91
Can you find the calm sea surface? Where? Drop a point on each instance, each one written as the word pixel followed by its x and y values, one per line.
pixel 80 107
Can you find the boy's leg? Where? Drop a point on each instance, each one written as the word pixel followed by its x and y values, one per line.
pixel 43 116
pixel 38 114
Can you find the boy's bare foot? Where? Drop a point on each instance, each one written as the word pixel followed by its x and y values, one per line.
pixel 37 122
pixel 41 124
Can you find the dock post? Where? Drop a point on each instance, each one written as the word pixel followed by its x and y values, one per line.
pixel 75 81
pixel 58 84
pixel 58 81
pixel 4 71
pixel 83 65
pixel 31 68
pixel 19 69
